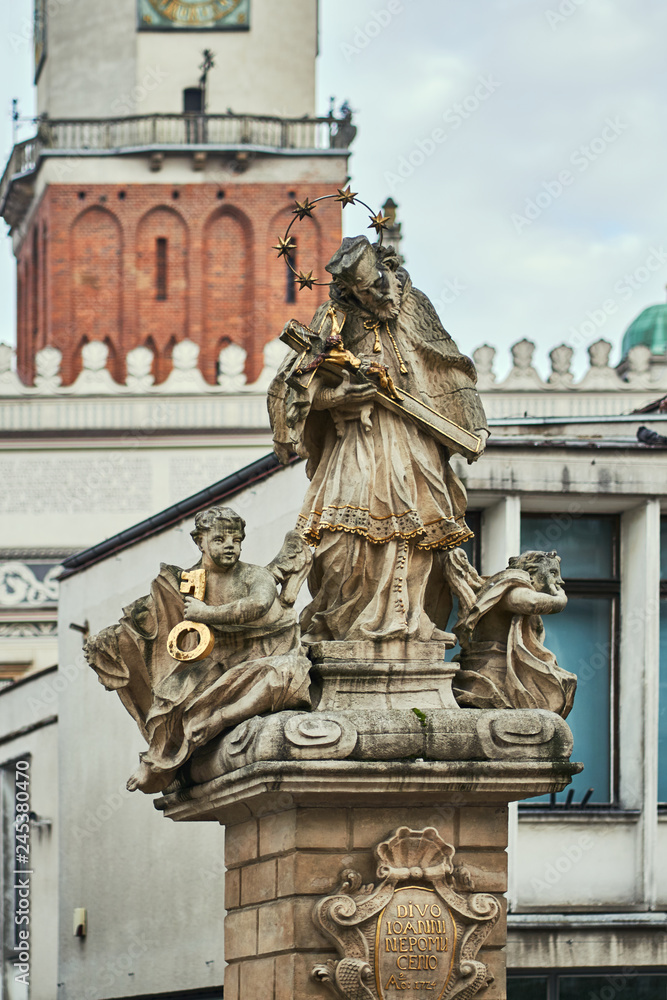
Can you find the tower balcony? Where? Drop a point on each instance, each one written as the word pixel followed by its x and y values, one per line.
pixel 236 138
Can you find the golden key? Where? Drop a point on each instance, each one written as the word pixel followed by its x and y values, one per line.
pixel 192 582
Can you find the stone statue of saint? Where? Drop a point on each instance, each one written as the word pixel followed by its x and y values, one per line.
pixel 254 663
pixel 504 663
pixel 383 497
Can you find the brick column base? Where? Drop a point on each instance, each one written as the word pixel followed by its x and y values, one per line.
pixel 279 865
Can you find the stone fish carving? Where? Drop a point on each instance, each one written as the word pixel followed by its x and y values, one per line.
pixel 256 663
pixel 425 924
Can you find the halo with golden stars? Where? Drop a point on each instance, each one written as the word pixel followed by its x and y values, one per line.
pixel 304 209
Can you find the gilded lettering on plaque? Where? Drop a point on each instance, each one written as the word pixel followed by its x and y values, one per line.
pixel 415 942
pixel 426 930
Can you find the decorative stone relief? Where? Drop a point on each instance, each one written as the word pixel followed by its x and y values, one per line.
pixel 10 384
pixel 185 375
pixel 231 368
pixel 139 369
pixel 600 375
pixel 419 929
pixel 95 377
pixel 638 373
pixel 47 366
pixel 561 359
pixel 463 734
pixel 20 587
pixel 523 375
pixel 484 357
pixel 28 630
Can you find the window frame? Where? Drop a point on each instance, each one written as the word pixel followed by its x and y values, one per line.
pixel 553 975
pixel 662 599
pixel 595 587
pixel 161 269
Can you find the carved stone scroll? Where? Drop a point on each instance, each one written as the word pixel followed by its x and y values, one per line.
pixel 413 931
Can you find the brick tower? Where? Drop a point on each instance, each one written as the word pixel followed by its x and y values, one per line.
pixel 144 210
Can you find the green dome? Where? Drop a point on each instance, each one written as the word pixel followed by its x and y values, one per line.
pixel 649 328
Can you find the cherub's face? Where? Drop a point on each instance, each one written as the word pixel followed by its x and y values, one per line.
pixel 546 576
pixel 221 545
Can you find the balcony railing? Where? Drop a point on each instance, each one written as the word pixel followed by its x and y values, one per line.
pixel 162 133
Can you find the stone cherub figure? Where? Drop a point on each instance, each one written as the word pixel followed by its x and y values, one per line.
pixel 254 662
pixel 504 663
pixel 383 497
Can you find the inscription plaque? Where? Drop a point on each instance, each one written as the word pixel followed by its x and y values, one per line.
pixel 415 942
pixel 415 931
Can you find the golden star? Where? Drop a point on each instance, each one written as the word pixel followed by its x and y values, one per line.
pixel 346 197
pixel 304 208
pixel 305 280
pixel 378 222
pixel 284 247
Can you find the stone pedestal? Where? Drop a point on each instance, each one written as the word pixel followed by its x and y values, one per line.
pixel 308 797
pixel 394 674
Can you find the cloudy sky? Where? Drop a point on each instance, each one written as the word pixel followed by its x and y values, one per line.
pixel 524 140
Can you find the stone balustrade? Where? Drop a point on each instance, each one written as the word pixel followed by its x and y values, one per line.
pixel 638 373
pixel 95 379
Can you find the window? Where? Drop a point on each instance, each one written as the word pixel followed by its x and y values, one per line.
pixel 290 287
pixel 584 637
pixel 615 984
pixel 192 100
pixel 662 718
pixel 160 268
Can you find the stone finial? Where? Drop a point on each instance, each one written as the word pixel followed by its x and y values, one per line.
pixel 139 369
pixel 523 375
pixel 561 359
pixel 94 377
pixel 274 355
pixel 638 373
pixel 600 375
pixel 47 365
pixel 6 355
pixel 484 357
pixel 94 356
pixel 10 384
pixel 185 376
pixel 231 368
pixel 598 354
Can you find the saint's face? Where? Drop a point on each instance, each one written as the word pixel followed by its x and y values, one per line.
pixel 379 291
pixel 221 545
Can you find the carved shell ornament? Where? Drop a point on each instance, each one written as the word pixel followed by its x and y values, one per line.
pixel 415 854
pixel 419 929
pixel 304 209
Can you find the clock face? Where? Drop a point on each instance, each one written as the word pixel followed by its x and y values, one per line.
pixel 194 14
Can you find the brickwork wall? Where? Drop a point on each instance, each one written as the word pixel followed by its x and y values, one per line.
pixel 279 865
pixel 87 270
